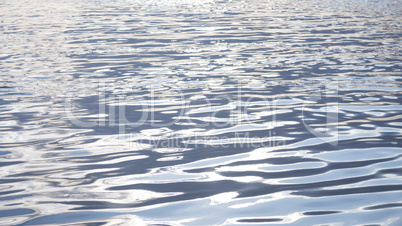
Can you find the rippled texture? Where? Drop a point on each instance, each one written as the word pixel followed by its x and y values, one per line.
pixel 200 112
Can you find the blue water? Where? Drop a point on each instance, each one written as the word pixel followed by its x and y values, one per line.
pixel 126 112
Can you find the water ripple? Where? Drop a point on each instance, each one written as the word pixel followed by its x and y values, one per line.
pixel 178 112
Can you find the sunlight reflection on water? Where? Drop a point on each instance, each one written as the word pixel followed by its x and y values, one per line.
pixel 200 112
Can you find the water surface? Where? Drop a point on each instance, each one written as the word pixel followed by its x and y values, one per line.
pixel 200 112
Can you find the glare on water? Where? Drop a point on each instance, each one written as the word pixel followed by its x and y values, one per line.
pixel 207 112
